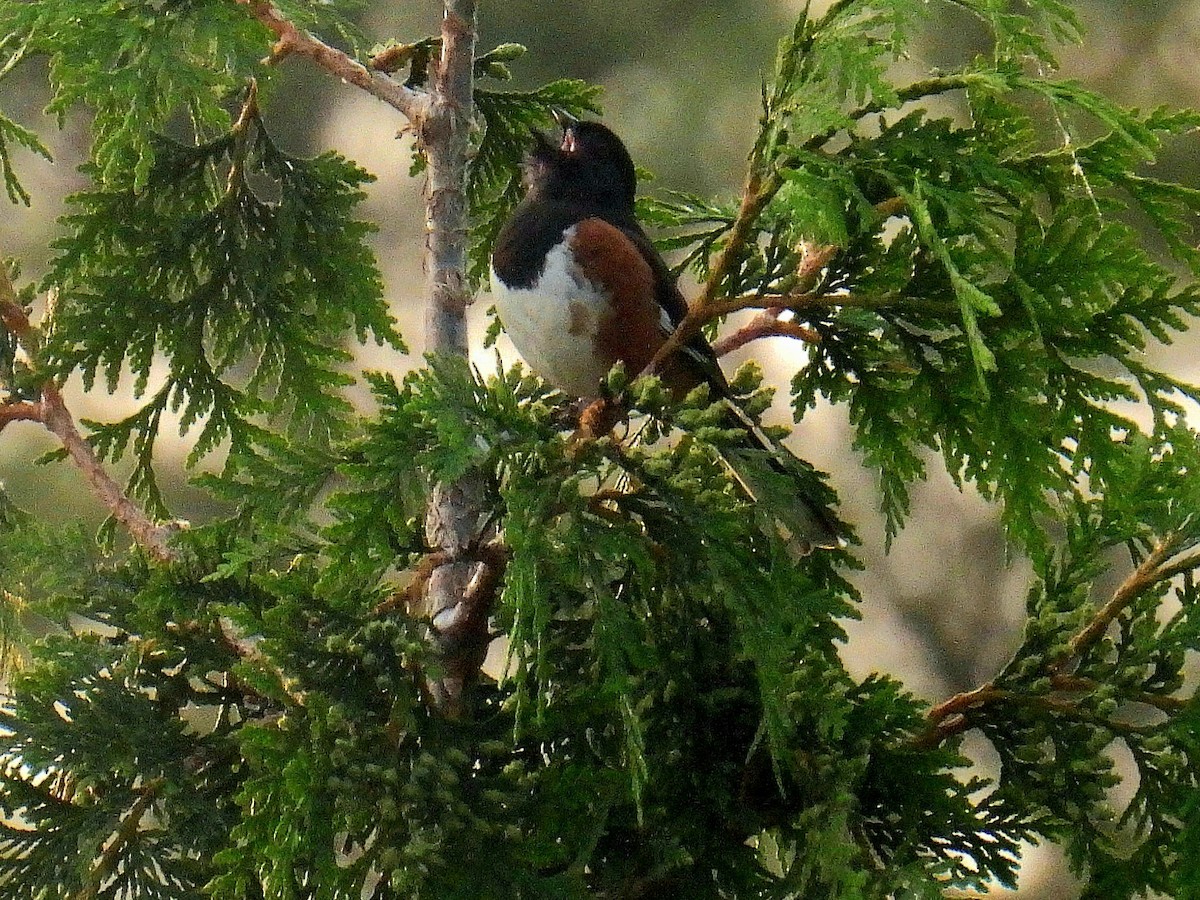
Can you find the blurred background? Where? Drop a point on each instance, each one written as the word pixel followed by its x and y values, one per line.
pixel 681 78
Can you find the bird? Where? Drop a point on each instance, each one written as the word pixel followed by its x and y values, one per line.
pixel 579 286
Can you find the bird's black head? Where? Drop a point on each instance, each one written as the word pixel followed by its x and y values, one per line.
pixel 590 166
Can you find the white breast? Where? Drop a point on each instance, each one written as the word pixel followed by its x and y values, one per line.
pixel 553 324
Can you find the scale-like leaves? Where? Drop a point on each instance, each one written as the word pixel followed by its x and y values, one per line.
pixel 670 715
pixel 11 133
pixel 248 299
pixel 136 64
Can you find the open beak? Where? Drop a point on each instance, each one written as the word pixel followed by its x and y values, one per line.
pixel 567 123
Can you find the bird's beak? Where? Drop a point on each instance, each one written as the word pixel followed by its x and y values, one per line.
pixel 564 119
pixel 567 123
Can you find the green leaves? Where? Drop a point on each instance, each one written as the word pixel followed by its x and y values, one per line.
pixel 12 133
pixel 137 64
pixel 134 64
pixel 1003 310
pixel 85 821
pixel 670 714
pixel 1072 701
pixel 248 299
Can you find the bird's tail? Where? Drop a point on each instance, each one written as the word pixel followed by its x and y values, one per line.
pixel 787 489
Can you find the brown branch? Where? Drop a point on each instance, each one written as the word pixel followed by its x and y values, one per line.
pixel 291 40
pixel 799 296
pixel 12 316
pixel 799 302
pixel 461 629
pixel 155 539
pixel 392 59
pixel 949 717
pixel 729 305
pixel 110 857
pixel 1142 578
pixel 22 411
pixel 1179 567
pixel 766 324
pixel 755 196
pixel 453 518
pixel 952 716
pixel 52 412
pixel 813 259
pixel 895 206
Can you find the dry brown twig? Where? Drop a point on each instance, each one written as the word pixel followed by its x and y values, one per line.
pixel 51 411
pixel 292 41
pixel 953 716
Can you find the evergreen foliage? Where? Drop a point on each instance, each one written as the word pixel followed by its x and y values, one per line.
pixel 673 718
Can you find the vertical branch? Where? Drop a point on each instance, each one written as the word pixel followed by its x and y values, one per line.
pixel 445 136
pixel 453 516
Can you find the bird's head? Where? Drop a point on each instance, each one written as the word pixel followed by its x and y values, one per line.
pixel 590 165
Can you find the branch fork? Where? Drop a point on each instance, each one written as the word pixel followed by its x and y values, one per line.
pixel 953 716
pixel 772 321
pixel 290 40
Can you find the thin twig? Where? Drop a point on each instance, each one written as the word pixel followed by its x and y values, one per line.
pixel 765 325
pixel 798 302
pixel 949 717
pixel 155 539
pixel 1179 567
pixel 106 865
pixel 929 87
pixel 1143 577
pixel 53 413
pixel 291 40
pixel 813 259
pixel 1077 684
pixel 247 647
pixel 895 206
pixel 759 190
pixel 12 314
pixel 756 194
pixel 952 716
